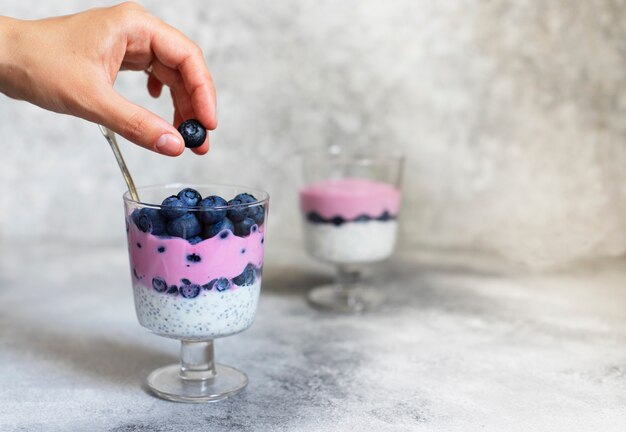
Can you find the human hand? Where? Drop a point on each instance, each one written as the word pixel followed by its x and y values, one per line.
pixel 68 65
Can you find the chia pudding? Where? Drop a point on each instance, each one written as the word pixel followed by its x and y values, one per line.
pixel 196 265
pixel 350 220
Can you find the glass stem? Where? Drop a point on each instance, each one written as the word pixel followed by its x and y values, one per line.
pixel 348 278
pixel 197 360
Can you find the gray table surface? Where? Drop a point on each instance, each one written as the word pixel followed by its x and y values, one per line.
pixel 452 350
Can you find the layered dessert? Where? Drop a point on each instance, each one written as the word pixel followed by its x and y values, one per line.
pixel 350 220
pixel 196 264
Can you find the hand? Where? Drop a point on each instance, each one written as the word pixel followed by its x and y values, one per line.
pixel 69 64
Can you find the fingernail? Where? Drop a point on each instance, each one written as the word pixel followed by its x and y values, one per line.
pixel 168 143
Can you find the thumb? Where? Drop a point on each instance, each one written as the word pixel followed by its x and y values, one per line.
pixel 139 125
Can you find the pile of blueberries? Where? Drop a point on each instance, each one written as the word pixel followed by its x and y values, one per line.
pixel 316 218
pixel 187 215
pixel 190 290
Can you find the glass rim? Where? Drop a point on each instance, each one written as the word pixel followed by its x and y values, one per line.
pixel 256 192
pixel 367 156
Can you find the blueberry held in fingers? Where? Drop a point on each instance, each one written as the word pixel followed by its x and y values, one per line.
pixel 193 133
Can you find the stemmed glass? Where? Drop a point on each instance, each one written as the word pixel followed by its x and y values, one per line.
pixel 196 276
pixel 350 204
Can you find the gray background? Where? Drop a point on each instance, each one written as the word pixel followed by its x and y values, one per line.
pixel 511 114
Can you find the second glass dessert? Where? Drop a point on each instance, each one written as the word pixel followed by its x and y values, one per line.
pixel 350 205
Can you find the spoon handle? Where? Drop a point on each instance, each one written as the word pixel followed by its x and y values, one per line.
pixel 110 137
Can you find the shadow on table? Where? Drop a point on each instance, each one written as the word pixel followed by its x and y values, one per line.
pixel 117 361
pixel 291 280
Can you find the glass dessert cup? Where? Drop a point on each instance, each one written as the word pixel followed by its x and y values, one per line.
pixel 196 272
pixel 350 204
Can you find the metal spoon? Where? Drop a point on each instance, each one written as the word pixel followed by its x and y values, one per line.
pixel 110 137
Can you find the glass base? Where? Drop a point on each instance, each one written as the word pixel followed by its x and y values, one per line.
pixel 337 298
pixel 167 383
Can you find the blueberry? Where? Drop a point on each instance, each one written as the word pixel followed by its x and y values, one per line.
pixel 386 216
pixel 224 234
pixel 134 216
pixel 239 210
pixel 212 230
pixel 189 197
pixel 173 207
pixel 242 229
pixel 221 284
pixel 362 218
pixel 195 240
pixel 257 213
pixel 338 220
pixel 247 277
pixel 315 217
pixel 193 133
pixel 150 220
pixel 186 226
pixel 195 258
pixel 159 284
pixel 209 286
pixel 185 281
pixel 173 290
pixel 190 291
pixel 208 213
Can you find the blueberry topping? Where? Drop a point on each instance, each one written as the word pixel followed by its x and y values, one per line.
pixel 212 230
pixel 134 216
pixel 195 258
pixel 159 284
pixel 257 213
pixel 139 245
pixel 240 211
pixel 185 281
pixel 193 133
pixel 243 228
pixel 186 226
pixel 221 284
pixel 190 197
pixel 150 220
pixel 195 240
pixel 224 234
pixel 247 277
pixel 208 214
pixel 173 290
pixel 173 207
pixel 161 249
pixel 190 291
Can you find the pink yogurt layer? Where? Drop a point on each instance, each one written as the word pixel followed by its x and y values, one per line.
pixel 349 198
pixel 217 257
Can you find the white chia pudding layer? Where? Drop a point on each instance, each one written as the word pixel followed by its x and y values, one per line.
pixel 351 242
pixel 210 315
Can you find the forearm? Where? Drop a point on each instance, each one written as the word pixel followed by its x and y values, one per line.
pixel 10 71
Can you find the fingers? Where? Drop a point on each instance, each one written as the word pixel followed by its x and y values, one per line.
pixel 139 125
pixel 154 86
pixel 185 71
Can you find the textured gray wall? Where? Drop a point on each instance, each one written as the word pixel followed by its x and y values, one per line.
pixel 512 114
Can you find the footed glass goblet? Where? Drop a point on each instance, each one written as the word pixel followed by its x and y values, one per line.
pixel 196 266
pixel 350 204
